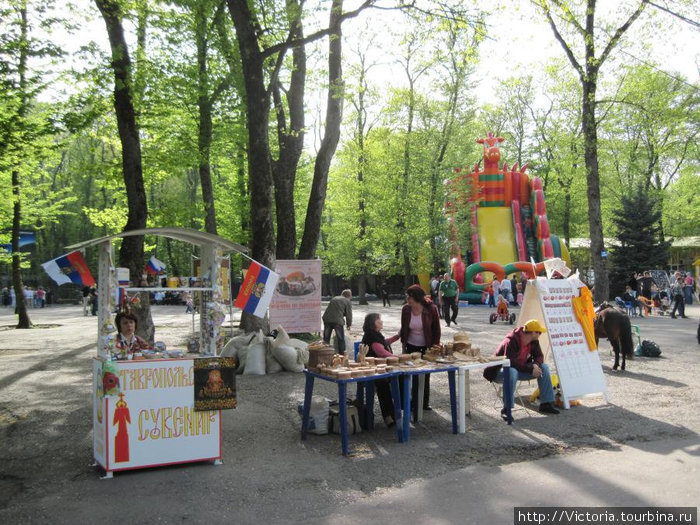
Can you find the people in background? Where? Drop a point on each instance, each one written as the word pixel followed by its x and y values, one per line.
pixel 678 298
pixel 86 300
pixel 504 288
pixel 40 297
pixel 448 298
pixel 420 329
pixel 688 289
pixel 380 347
pixel 384 291
pixel 338 313
pixel 493 296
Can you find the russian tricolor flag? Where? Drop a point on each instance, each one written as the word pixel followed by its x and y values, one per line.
pixel 155 266
pixel 257 289
pixel 69 268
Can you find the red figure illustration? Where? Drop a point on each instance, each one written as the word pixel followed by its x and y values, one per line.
pixel 121 440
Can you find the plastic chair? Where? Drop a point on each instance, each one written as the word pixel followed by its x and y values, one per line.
pixel 498 388
pixel 630 309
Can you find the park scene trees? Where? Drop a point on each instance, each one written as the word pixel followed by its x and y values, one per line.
pixel 328 129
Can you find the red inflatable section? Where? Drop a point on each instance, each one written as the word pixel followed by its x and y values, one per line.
pixel 458 272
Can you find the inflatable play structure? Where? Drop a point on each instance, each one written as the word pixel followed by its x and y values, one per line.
pixel 508 219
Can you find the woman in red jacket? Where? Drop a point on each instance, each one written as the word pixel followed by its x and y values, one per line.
pixel 420 329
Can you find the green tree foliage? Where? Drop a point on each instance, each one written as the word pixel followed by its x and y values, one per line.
pixel 639 234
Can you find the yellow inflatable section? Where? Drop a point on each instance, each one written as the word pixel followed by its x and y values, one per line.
pixel 496 235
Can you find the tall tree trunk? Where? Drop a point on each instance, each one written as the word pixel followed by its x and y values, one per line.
pixel 403 211
pixel 588 75
pixel 204 104
pixel 131 253
pixel 291 141
pixel 259 168
pixel 23 320
pixel 334 116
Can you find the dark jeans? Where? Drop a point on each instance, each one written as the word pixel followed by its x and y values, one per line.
pixel 383 389
pixel 414 386
pixel 447 304
pixel 339 335
pixel 678 303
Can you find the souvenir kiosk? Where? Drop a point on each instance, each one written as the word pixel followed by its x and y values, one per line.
pixel 144 410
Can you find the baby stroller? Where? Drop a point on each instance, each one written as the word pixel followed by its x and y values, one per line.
pixel 502 313
pixel 662 303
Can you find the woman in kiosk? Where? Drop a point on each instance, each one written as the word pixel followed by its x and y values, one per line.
pixel 128 343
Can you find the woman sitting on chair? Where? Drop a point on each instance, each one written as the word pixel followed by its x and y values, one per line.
pixel 379 347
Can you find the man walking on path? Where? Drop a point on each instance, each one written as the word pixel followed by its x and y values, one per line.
pixel 448 299
pixel 338 313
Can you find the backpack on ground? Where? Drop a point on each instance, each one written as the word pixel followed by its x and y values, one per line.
pixel 647 349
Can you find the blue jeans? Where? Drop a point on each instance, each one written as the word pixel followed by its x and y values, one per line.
pixel 328 328
pixel 544 382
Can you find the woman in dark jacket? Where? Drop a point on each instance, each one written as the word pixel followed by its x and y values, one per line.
pixel 420 329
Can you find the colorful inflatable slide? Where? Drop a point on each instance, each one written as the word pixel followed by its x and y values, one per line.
pixel 509 223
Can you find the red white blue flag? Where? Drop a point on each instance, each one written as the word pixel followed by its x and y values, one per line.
pixel 69 268
pixel 155 266
pixel 257 290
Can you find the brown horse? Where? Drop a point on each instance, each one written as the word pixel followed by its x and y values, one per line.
pixel 615 325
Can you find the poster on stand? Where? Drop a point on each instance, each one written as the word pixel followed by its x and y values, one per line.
pixel 550 301
pixel 214 383
pixel 144 415
pixel 296 303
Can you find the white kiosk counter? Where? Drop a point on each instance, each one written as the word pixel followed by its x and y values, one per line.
pixel 151 421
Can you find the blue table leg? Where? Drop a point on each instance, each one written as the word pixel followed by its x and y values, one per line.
pixel 407 379
pixel 368 406
pixel 343 409
pixel 506 395
pixel 396 399
pixel 453 400
pixel 308 391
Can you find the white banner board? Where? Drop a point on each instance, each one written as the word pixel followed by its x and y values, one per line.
pixel 579 369
pixel 296 303
pixel 151 421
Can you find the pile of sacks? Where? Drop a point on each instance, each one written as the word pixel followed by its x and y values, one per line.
pixel 259 354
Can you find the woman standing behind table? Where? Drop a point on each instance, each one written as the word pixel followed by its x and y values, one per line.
pixel 379 347
pixel 420 329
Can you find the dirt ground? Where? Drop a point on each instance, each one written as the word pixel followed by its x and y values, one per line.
pixel 269 474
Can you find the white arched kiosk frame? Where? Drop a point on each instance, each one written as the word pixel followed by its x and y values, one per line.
pixel 212 247
pixel 150 420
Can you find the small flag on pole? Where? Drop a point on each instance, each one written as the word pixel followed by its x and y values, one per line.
pixel 154 266
pixel 257 289
pixel 69 268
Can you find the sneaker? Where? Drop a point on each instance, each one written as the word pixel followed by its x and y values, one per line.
pixel 673 316
pixel 504 416
pixel 548 408
pixel 427 408
pixel 454 321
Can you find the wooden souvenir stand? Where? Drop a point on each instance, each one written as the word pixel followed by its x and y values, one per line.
pixel 551 301
pixel 148 418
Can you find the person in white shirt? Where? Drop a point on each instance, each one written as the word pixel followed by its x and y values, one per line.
pixel 504 288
